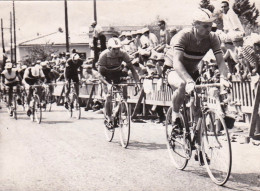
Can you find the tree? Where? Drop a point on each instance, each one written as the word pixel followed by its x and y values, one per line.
pixel 39 52
pixel 247 13
pixel 205 4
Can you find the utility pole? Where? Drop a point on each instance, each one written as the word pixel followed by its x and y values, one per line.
pixel 15 59
pixel 95 10
pixel 3 45
pixel 2 30
pixel 66 26
pixel 11 36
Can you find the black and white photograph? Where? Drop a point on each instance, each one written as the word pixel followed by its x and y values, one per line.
pixel 130 95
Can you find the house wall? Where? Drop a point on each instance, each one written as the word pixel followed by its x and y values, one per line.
pixel 81 48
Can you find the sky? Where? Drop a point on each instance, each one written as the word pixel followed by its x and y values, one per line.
pixel 45 16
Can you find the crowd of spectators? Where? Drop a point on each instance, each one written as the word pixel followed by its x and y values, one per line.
pixel 147 51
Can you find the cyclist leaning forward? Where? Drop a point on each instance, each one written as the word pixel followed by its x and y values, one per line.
pixel 181 61
pixel 72 66
pixel 10 79
pixel 32 76
pixel 112 69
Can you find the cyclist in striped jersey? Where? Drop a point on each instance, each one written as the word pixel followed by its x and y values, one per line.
pixel 181 61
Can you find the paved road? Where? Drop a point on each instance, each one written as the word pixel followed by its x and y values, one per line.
pixel 64 154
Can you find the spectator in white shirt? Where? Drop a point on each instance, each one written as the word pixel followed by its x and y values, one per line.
pixel 98 36
pixel 231 21
pixel 148 40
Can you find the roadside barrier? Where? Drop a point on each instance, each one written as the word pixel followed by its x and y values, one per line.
pixel 243 99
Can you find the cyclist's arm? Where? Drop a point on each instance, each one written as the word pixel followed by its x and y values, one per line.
pixel 3 78
pixel 102 79
pixel 178 66
pixel 223 69
pixel 135 75
pixel 19 76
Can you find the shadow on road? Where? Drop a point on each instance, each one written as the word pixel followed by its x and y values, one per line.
pixel 54 122
pixel 145 146
pixel 248 180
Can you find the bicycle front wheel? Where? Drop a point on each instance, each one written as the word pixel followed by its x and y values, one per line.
pixel 75 107
pixel 177 144
pixel 124 124
pixel 216 148
pixel 37 109
pixel 14 109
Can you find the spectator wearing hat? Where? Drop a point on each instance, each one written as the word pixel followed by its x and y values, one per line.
pixel 230 55
pixel 241 67
pixel 89 74
pixel 148 40
pixel 122 37
pixel 128 44
pixel 251 54
pixel 231 21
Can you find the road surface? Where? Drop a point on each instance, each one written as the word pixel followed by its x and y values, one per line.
pixel 63 154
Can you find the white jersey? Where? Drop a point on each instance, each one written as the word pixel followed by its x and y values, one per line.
pixel 10 77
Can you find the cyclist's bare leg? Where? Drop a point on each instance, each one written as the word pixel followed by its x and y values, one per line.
pixel 76 85
pixel 108 107
pixel 10 95
pixel 178 85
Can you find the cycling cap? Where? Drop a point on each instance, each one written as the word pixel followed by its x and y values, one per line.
pixel 75 57
pixel 8 65
pixel 43 63
pixel 114 43
pixel 203 15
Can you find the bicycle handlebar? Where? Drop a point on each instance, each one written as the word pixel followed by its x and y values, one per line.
pixel 207 85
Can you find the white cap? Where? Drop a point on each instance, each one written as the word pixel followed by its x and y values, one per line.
pixel 8 65
pixel 24 66
pixel 160 56
pixel 144 30
pixel 44 63
pixel 128 33
pixel 75 57
pixel 133 32
pixel 114 43
pixel 236 35
pixel 203 15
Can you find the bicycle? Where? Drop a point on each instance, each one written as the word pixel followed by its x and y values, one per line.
pixel 210 138
pixel 36 106
pixel 48 97
pixel 73 106
pixel 120 115
pixel 12 107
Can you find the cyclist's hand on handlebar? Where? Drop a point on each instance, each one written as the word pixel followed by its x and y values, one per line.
pixel 190 86
pixel 225 82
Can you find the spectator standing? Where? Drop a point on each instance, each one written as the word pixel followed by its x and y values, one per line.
pixel 98 36
pixel 164 36
pixel 231 21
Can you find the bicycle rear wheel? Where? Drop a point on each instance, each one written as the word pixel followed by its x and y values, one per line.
pixel 177 144
pixel 124 124
pixel 75 107
pixel 216 148
pixel 37 109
